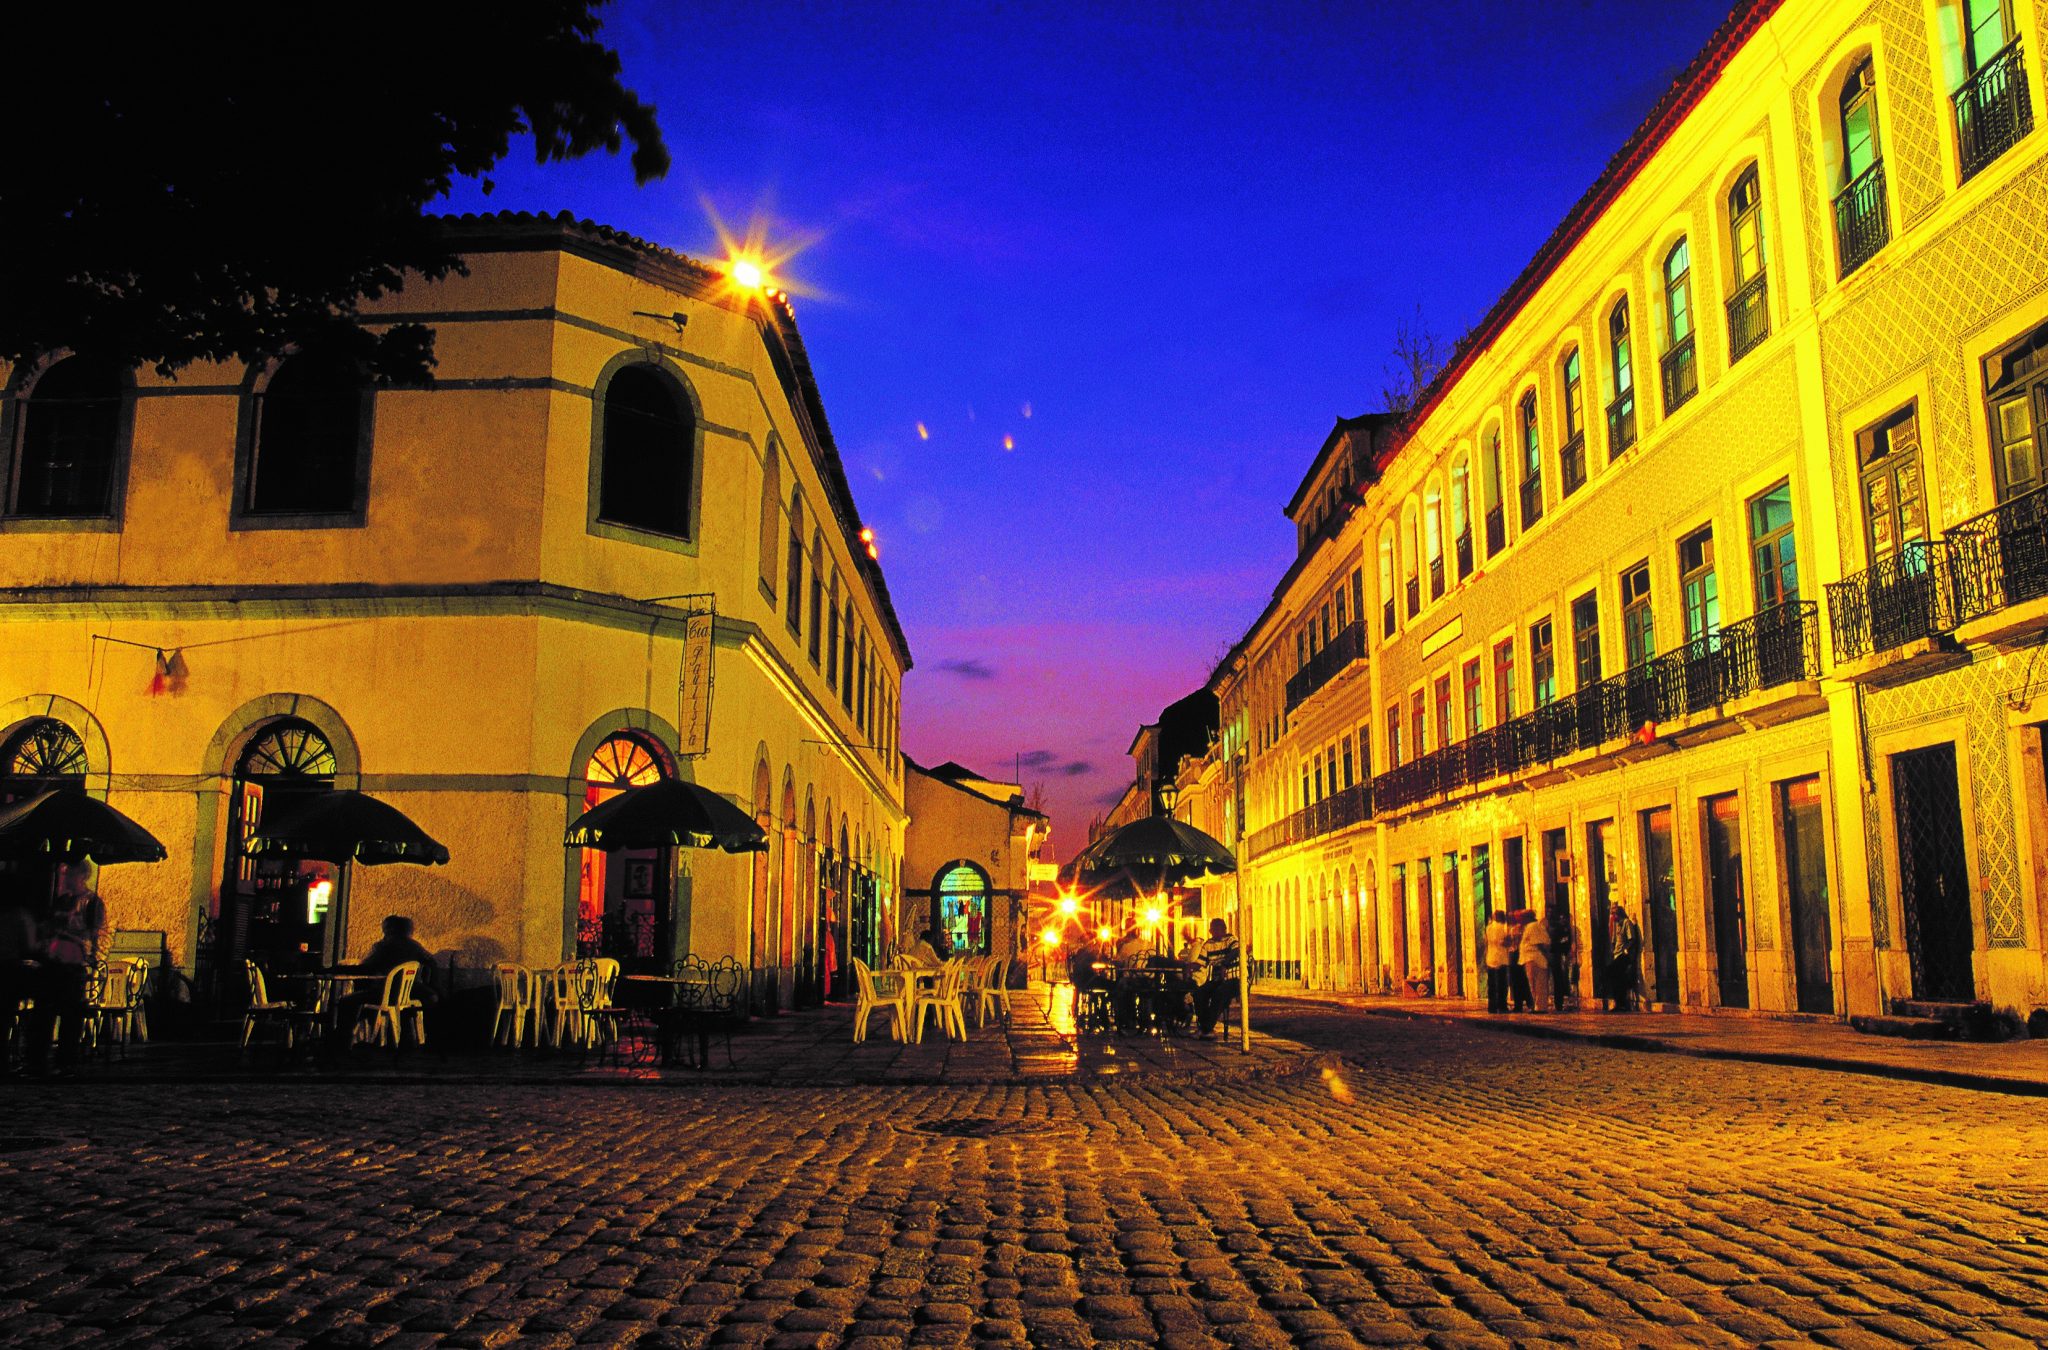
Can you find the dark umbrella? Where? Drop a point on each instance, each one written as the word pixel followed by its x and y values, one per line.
pixel 343 826
pixel 65 824
pixel 667 814
pixel 1160 847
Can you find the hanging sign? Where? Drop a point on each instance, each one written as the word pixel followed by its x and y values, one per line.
pixel 693 691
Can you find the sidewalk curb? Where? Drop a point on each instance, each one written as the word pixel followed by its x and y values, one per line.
pixel 1956 1078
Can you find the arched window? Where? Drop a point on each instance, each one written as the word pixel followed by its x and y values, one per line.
pixel 1749 311
pixel 1411 554
pixel 646 470
pixel 793 578
pixel 1862 225
pixel 1461 514
pixel 1433 537
pixel 1681 369
pixel 1494 484
pixel 1388 618
pixel 1621 411
pixel 311 439
pixel 69 442
pixel 1532 462
pixel 832 632
pixel 771 515
pixel 1571 456
pixel 1992 109
pixel 817 594
pixel 43 756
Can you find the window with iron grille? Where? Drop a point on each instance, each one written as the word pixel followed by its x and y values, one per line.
pixel 1542 663
pixel 1586 640
pixel 1532 463
pixel 1621 410
pixel 1700 590
pixel 1638 621
pixel 1773 547
pixel 1749 311
pixel 1503 681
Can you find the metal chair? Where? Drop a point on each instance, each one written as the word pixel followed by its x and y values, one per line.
pixel 263 1008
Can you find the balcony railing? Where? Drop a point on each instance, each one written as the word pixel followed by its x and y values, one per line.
pixel 1462 546
pixel 1861 225
pixel 1340 810
pixel 1571 465
pixel 1414 596
pixel 1387 619
pixel 1621 423
pixel 1436 577
pixel 1532 500
pixel 1774 647
pixel 1904 598
pixel 1749 316
pixel 1496 530
pixel 1681 375
pixel 1347 646
pixel 1992 111
pixel 2000 558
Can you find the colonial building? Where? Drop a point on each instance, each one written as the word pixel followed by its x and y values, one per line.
pixel 1706 579
pixel 967 860
pixel 610 542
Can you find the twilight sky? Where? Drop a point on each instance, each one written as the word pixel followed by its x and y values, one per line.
pixel 1123 266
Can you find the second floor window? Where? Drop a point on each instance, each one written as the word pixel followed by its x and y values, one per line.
pixel 310 439
pixel 1418 730
pixel 1894 514
pixel 1461 516
pixel 1387 616
pixel 1503 681
pixel 1621 412
pixel 832 634
pixel 1638 622
pixel 817 594
pixel 1586 640
pixel 771 508
pixel 793 583
pixel 1496 514
pixel 1992 109
pixel 1681 370
pixel 1473 692
pixel 1443 711
pixel 1699 589
pixel 1749 310
pixel 1394 736
pixel 1433 539
pixel 1773 547
pixel 1862 225
pixel 2016 396
pixel 1532 463
pixel 68 445
pixel 1542 663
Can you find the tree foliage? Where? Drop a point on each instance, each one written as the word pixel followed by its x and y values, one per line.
pixel 216 182
pixel 1417 355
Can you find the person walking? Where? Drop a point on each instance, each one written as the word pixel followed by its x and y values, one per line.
pixel 1532 948
pixel 1564 962
pixel 1219 957
pixel 1518 978
pixel 1624 973
pixel 1499 938
pixel 71 943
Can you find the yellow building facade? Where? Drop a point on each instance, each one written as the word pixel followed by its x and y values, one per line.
pixel 1701 582
pixel 611 541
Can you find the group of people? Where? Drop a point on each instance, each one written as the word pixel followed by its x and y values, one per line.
pixel 1203 975
pixel 47 951
pixel 1519 945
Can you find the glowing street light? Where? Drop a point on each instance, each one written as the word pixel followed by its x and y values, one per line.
pixel 747 274
pixel 1050 937
pixel 1069 906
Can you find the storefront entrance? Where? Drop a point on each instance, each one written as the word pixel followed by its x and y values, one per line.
pixel 1660 899
pixel 284 914
pixel 960 896
pixel 42 756
pixel 1724 882
pixel 624 906
pixel 1934 878
pixel 1806 884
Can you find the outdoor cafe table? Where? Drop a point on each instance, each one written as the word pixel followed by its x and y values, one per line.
pixel 325 1000
pixel 686 1001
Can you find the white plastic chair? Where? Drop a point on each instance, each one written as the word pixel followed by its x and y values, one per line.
pixel 994 989
pixel 517 1013
pixel 263 1008
pixel 394 1007
pixel 561 1010
pixel 869 999
pixel 944 1001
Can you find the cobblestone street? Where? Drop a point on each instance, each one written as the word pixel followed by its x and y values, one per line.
pixel 1446 1186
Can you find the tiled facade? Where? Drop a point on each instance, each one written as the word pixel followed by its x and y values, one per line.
pixel 1713 750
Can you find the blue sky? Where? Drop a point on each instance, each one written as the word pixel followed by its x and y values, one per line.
pixel 1158 249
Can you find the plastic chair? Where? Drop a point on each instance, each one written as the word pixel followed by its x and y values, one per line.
pixel 944 1002
pixel 517 1012
pixel 994 990
pixel 561 1011
pixel 394 1007
pixel 871 1000
pixel 603 1021
pixel 263 1008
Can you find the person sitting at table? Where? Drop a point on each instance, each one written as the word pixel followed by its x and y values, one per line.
pixel 1219 957
pixel 1082 973
pixel 1131 951
pixel 387 954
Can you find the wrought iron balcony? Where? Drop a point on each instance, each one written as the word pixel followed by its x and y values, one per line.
pixel 1387 619
pixel 1621 423
pixel 1496 530
pixel 1436 577
pixel 1904 598
pixel 2000 558
pixel 1681 375
pixel 1347 646
pixel 1532 500
pixel 1992 110
pixel 1340 810
pixel 1463 548
pixel 1749 316
pixel 1414 596
pixel 1776 646
pixel 1861 225
pixel 1571 465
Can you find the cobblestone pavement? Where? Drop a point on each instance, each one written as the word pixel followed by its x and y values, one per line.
pixel 1447 1186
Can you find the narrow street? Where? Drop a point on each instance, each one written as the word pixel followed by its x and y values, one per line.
pixel 1447 1186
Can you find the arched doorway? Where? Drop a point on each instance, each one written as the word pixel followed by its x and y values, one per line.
pixel 624 906
pixel 960 904
pixel 761 928
pixel 283 913
pixel 43 755
pixel 785 914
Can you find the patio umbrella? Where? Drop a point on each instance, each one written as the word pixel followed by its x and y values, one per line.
pixel 341 827
pixel 64 824
pixel 663 815
pixel 1172 851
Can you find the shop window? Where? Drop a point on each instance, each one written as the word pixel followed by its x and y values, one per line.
pixel 310 429
pixel 1621 409
pixel 1749 310
pixel 1681 367
pixel 69 442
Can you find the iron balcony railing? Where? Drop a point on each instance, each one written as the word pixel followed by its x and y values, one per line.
pixel 1681 375
pixel 1776 646
pixel 1571 465
pixel 1387 619
pixel 2000 558
pixel 1904 598
pixel 1532 500
pixel 1436 577
pixel 1414 596
pixel 1861 225
pixel 1992 111
pixel 1496 530
pixel 1462 546
pixel 1340 651
pixel 1621 423
pixel 1749 316
pixel 1338 811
